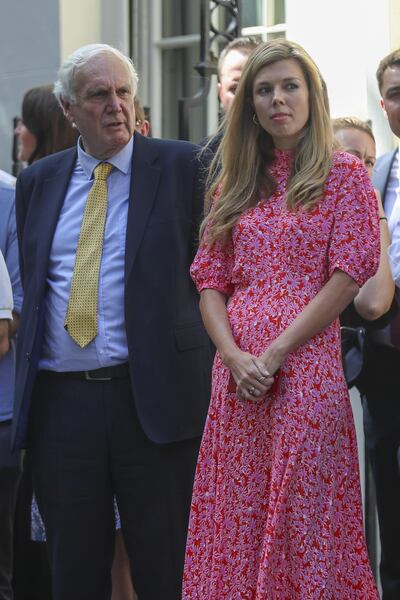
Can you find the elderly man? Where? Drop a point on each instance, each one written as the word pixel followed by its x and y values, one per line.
pixel 113 366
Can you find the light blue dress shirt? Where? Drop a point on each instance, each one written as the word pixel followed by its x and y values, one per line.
pixel 59 351
pixel 9 248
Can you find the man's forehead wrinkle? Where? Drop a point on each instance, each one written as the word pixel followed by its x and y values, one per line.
pixel 92 83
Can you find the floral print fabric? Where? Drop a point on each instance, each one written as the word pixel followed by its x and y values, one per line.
pixel 276 510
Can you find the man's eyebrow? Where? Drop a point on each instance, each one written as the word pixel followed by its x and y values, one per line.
pixel 96 88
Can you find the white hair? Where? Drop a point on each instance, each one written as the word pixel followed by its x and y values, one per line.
pixel 64 87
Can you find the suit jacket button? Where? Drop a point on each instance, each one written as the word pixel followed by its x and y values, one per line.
pixel 28 356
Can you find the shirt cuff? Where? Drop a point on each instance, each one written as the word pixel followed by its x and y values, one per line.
pixel 6 313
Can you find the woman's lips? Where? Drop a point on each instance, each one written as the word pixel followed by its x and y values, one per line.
pixel 280 117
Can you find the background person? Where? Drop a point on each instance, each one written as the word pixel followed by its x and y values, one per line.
pixel 382 358
pixel 7 179
pixel 6 306
pixel 276 509
pixel 10 306
pixel 375 297
pixel 43 130
pixel 142 124
pixel 231 63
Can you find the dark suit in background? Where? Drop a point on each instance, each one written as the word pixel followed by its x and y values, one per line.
pixel 382 425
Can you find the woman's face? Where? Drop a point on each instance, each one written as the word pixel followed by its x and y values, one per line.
pixel 281 101
pixel 360 144
pixel 27 142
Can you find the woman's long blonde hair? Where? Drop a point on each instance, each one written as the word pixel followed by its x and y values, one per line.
pixel 238 170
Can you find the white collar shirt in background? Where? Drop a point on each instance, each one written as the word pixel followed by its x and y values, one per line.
pixel 6 296
pixel 392 210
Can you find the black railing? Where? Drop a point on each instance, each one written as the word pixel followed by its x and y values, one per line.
pixel 210 14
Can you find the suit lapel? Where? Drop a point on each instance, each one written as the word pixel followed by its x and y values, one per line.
pixel 52 197
pixel 143 188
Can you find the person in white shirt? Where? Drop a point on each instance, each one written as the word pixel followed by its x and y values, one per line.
pixel 394 222
pixel 6 306
pixel 7 179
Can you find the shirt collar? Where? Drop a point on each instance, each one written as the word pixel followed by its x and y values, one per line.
pixel 121 161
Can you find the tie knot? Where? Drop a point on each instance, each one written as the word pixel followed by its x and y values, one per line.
pixel 102 170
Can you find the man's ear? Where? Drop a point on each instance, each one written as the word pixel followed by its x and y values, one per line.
pixel 67 107
pixel 382 103
pixel 145 128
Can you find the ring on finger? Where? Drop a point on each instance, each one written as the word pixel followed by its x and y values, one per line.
pixel 251 390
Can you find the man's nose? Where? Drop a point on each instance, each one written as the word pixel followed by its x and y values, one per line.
pixel 114 102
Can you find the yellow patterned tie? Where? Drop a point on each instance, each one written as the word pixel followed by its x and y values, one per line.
pixel 81 317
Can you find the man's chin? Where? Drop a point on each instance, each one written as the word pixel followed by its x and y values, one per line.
pixel 117 142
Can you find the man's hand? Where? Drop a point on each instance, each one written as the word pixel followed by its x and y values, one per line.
pixel 4 344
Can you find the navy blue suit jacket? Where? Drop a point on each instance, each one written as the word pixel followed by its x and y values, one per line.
pixel 169 351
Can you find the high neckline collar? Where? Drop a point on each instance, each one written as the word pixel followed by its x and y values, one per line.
pixel 288 154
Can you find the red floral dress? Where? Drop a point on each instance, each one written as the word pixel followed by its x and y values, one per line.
pixel 276 510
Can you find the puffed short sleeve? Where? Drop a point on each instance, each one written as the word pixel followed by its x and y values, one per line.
pixel 213 265
pixel 355 239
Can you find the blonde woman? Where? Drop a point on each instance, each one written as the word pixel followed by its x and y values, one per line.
pixel 375 298
pixel 292 234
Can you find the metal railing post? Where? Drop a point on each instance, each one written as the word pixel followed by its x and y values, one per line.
pixel 209 33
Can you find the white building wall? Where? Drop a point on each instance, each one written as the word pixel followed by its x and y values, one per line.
pixel 93 21
pixel 347 39
pixel 29 56
pixel 80 24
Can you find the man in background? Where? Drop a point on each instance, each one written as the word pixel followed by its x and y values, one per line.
pixel 10 465
pixel 382 360
pixel 7 179
pixel 231 63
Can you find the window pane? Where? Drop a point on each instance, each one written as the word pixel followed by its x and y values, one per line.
pixel 251 13
pixel 276 12
pixel 180 17
pixel 280 13
pixel 276 35
pixel 180 80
